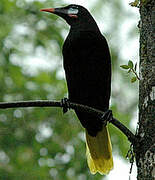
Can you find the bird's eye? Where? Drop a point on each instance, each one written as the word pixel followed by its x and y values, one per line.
pixel 73 11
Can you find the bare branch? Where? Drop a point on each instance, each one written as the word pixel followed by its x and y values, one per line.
pixel 48 103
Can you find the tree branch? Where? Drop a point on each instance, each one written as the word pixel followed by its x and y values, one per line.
pixel 83 108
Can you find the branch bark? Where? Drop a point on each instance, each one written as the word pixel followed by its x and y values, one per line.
pixel 47 103
pixel 145 152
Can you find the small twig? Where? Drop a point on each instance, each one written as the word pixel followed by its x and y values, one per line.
pixel 47 103
pixel 135 74
pixel 131 156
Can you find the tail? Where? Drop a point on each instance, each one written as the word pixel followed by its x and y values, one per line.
pixel 99 152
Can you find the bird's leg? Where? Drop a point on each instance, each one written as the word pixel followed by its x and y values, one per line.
pixel 106 117
pixel 65 103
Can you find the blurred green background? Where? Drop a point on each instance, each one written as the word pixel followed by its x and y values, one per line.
pixel 42 143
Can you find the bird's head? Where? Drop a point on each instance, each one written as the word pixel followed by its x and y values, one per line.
pixel 75 15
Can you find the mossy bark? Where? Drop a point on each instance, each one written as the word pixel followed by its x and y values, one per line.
pixel 145 151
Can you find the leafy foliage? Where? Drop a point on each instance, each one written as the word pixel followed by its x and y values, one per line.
pixel 131 68
pixel 135 3
pixel 42 143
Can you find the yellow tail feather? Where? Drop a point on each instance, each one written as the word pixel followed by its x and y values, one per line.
pixel 99 152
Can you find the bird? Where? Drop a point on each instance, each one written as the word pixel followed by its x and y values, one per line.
pixel 87 65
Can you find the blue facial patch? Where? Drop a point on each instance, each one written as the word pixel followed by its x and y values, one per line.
pixel 72 11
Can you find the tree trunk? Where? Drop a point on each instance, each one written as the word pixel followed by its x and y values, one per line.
pixel 145 152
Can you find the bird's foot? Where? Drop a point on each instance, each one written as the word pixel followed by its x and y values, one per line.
pixel 106 117
pixel 65 103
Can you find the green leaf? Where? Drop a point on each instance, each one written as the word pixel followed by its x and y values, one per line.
pixel 129 70
pixel 133 79
pixel 130 64
pixel 124 66
pixel 135 3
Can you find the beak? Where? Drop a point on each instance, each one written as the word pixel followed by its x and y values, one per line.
pixel 50 10
pixel 58 11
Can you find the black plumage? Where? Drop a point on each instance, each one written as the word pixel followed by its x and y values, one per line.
pixel 88 68
pixel 87 64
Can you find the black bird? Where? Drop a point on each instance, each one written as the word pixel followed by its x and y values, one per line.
pixel 87 65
